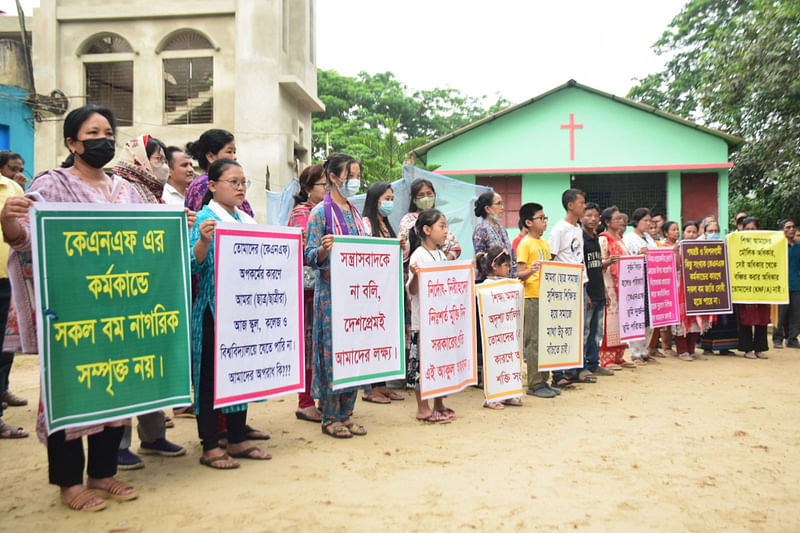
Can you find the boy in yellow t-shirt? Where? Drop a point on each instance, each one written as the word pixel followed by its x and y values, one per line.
pixel 531 251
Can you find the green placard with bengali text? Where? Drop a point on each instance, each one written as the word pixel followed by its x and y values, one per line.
pixel 113 321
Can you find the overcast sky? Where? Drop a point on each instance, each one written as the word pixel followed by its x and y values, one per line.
pixel 515 48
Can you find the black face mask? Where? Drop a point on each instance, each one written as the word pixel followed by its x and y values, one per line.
pixel 98 152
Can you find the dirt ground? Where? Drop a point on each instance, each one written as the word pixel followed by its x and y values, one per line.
pixel 701 446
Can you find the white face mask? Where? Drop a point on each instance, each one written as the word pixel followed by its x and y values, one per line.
pixel 350 188
pixel 162 173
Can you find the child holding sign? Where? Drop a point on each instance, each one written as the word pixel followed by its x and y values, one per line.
pixel 426 238
pixel 495 264
pixel 226 190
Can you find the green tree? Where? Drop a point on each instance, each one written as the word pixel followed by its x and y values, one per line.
pixel 736 66
pixel 371 116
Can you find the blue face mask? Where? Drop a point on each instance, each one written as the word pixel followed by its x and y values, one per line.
pixel 713 236
pixel 350 188
pixel 497 219
pixel 386 207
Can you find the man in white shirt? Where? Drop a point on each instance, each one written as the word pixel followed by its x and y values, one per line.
pixel 181 174
pixel 566 246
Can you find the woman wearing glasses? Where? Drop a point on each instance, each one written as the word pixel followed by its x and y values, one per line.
pixel 489 231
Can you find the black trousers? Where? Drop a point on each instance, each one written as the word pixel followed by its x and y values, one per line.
pixel 753 338
pixel 207 416
pixel 66 460
pixel 6 358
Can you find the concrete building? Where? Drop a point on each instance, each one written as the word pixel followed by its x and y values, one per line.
pixel 616 150
pixel 176 69
pixel 16 114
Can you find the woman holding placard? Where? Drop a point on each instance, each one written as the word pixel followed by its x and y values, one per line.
pixel 312 191
pixel 612 351
pixel 377 207
pixel 753 318
pixel 89 134
pixel 335 215
pixel 226 190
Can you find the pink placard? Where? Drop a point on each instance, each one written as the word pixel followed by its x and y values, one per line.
pixel 662 287
pixel 631 298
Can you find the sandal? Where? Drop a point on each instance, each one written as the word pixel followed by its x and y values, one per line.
pixel 11 432
pixel 303 414
pixel 497 406
pixel 337 432
pixel 116 490
pixel 255 434
pixel 79 501
pixel 435 418
pixel 449 413
pixel 515 402
pixel 650 360
pixel 356 429
pixel 392 395
pixel 564 383
pixel 685 357
pixel 168 422
pixel 212 463
pixel 376 397
pixel 614 367
pixel 628 364
pixel 248 454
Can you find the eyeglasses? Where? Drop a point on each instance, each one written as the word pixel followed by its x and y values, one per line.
pixel 236 184
pixel 499 203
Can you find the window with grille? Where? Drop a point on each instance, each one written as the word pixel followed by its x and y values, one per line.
pixel 189 90
pixel 111 85
pixel 626 191
pixel 510 189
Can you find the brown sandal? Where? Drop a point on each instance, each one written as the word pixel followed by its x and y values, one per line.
pixel 116 490
pixel 78 502
pixel 337 432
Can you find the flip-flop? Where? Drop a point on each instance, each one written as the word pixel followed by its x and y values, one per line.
pixel 115 491
pixel 435 418
pixel 302 416
pixel 211 463
pixel 564 383
pixel 513 402
pixel 82 498
pixel 369 398
pixel 628 364
pixel 497 406
pixel 394 396
pixel 585 379
pixel 13 432
pixel 259 435
pixel 246 454
pixel 449 413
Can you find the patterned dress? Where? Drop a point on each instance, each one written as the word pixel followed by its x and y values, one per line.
pixel 335 405
pixel 206 287
pixel 485 236
pixel 612 350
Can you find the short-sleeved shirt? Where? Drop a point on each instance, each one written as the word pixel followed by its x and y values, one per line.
pixel 634 242
pixel 593 258
pixel 8 188
pixel 419 256
pixel 528 251
pixel 566 244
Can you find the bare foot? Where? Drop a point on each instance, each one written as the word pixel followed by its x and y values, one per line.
pixel 212 458
pixel 115 488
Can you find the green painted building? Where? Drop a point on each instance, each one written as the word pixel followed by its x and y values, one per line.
pixel 618 151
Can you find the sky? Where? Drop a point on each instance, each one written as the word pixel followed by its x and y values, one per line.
pixel 517 49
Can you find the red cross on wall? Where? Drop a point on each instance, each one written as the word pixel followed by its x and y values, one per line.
pixel 572 127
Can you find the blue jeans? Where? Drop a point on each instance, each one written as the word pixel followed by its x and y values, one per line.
pixel 593 329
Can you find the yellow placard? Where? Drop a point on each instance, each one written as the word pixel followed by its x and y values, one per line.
pixel 759 267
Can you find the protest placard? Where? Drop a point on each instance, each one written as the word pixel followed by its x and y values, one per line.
pixel 760 264
pixel 662 287
pixel 447 338
pixel 560 316
pixel 632 296
pixel 259 335
pixel 704 278
pixel 112 283
pixel 367 311
pixel 500 307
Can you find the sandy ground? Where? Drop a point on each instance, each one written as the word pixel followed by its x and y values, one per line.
pixel 702 446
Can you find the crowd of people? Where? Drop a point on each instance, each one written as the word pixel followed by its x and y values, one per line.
pixel 148 171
